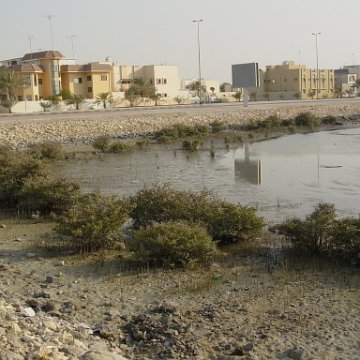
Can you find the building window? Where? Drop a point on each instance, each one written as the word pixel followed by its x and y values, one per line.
pixel 20 98
pixel 158 81
pixel 103 77
pixel 35 80
pixel 28 97
pixel 88 78
pixel 40 81
pixel 26 79
pixel 36 98
pixel 89 89
pixel 151 82
pixel 165 81
pixel 78 81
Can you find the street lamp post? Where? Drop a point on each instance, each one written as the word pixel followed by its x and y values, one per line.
pixel 317 65
pixel 198 21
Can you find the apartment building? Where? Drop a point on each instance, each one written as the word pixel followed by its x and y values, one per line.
pixel 40 71
pixel 88 80
pixel 289 81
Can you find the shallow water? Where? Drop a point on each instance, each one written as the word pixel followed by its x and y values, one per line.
pixel 284 177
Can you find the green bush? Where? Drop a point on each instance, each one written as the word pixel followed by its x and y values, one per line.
pixel 101 143
pixel 47 150
pixel 191 144
pixel 322 233
pixel 312 234
pixel 94 222
pixel 345 238
pixel 224 221
pixel 329 120
pixel 172 243
pixel 16 167
pixel 118 147
pixel 178 131
pixel 44 194
pixel 306 119
pixel 218 126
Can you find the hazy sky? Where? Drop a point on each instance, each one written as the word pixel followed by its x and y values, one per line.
pixel 161 31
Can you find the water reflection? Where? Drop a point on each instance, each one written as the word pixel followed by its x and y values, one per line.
pixel 247 169
pixel 283 177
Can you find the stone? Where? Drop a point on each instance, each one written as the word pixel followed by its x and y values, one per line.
pixel 28 312
pixel 103 355
pixel 295 353
pixel 2 226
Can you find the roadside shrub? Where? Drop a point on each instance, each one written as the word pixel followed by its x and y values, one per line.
pixel 287 122
pixel 306 119
pixel 101 143
pixel 44 194
pixel 191 144
pixel 118 147
pixel 218 126
pixel 94 222
pixel 224 221
pixel 47 150
pixel 178 131
pixel 270 122
pixel 329 120
pixel 172 244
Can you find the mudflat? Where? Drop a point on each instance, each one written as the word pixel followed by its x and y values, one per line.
pixel 254 304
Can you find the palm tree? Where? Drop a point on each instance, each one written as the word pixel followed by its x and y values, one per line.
pixel 45 105
pixel 104 98
pixel 143 88
pixel 75 100
pixel 131 96
pixel 10 83
pixel 156 97
pixel 195 86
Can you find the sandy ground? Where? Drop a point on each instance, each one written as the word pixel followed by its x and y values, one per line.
pixel 254 305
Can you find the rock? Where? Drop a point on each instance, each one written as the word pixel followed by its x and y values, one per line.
pixel 49 279
pixel 295 353
pixel 28 312
pixel 103 355
pixel 2 226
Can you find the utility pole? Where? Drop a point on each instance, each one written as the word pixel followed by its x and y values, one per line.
pixel 71 37
pixel 317 65
pixel 51 30
pixel 198 21
pixel 30 37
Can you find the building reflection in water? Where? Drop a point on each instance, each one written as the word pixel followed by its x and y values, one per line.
pixel 249 170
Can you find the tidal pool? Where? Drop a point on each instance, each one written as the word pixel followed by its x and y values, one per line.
pixel 283 177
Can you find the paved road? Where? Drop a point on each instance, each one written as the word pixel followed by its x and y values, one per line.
pixel 201 109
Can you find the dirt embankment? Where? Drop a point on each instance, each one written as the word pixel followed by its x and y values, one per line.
pixel 70 129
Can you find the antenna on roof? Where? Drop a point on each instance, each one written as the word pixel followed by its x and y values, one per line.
pixel 71 37
pixel 30 37
pixel 51 31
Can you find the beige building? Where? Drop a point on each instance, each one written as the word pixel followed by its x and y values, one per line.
pixel 293 81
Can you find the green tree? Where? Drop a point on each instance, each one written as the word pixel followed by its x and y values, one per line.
pixel 179 99
pixel 338 91
pixel 238 95
pixel 212 89
pixel 104 98
pixel 10 83
pixel 195 86
pixel 65 94
pixel 76 100
pixel 311 93
pixel 253 95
